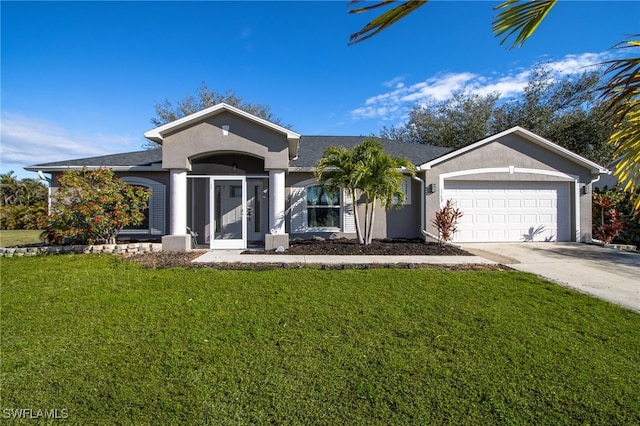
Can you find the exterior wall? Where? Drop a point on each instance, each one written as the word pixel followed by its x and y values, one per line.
pixel 207 137
pixel 395 223
pixel 404 222
pixel 512 150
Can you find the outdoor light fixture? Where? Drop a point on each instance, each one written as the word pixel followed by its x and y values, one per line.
pixel 433 188
pixel 225 130
pixel 586 189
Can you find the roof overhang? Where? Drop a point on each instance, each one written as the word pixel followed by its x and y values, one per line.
pixel 51 169
pixel 528 135
pixel 158 134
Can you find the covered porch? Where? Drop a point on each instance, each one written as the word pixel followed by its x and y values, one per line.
pixel 227 179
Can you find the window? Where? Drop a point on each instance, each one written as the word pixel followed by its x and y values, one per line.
pixel 406 188
pixel 323 207
pixel 154 214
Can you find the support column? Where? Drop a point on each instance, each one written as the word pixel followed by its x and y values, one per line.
pixel 277 236
pixel 178 240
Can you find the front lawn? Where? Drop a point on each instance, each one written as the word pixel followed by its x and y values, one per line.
pixel 16 237
pixel 113 343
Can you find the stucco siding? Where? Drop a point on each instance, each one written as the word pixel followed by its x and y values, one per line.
pixel 403 222
pixel 208 137
pixel 514 159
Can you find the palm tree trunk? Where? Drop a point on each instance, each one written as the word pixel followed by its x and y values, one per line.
pixel 356 217
pixel 373 216
pixel 366 221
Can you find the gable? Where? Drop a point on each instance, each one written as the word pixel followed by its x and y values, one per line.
pixel 516 147
pixel 224 129
pixel 224 133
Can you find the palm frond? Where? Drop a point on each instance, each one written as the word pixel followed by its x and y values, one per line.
pixel 520 18
pixel 622 96
pixel 383 21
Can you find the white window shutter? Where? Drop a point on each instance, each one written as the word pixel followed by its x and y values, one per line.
pixel 298 210
pixel 158 211
pixel 348 213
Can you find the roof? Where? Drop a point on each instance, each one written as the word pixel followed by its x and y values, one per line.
pixel 157 134
pixel 150 159
pixel 312 148
pixel 531 137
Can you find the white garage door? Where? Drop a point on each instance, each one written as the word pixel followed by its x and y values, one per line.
pixel 511 211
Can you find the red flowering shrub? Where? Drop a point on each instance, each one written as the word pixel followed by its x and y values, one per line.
pixel 611 220
pixel 447 222
pixel 91 207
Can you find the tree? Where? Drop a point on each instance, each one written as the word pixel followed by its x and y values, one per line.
pixel 91 207
pixel 566 111
pixel 23 203
pixel 366 172
pixel 9 188
pixel 167 111
pixel 455 122
pixel 518 20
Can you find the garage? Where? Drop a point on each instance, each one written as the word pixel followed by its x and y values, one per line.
pixel 500 211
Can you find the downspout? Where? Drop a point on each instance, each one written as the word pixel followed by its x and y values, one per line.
pixel 597 178
pixel 423 230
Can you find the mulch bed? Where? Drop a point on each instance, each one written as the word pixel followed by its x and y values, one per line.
pixel 341 247
pixel 387 247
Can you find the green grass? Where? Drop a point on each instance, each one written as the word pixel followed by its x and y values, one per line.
pixel 112 342
pixel 10 238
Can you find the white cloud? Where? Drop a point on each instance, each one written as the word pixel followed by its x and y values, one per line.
pixel 27 141
pixel 395 104
pixel 572 64
pixel 395 82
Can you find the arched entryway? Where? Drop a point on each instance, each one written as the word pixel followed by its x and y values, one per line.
pixel 228 200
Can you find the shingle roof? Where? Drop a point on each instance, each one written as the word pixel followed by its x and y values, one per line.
pixel 312 148
pixel 310 152
pixel 127 159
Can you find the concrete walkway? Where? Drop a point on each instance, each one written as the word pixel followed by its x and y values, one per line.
pixel 235 256
pixel 602 272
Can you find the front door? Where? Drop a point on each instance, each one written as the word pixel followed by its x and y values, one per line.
pixel 228 212
pixel 257 201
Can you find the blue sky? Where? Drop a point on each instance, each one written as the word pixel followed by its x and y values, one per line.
pixel 80 79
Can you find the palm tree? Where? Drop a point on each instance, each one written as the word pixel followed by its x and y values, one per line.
pixel 519 19
pixel 366 171
pixel 337 169
pixel 9 188
pixel 382 180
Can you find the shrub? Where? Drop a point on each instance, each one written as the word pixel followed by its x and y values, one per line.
pixel 91 207
pixel 611 223
pixel 446 222
pixel 620 201
pixel 22 216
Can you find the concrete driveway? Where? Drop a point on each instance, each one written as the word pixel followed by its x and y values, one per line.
pixel 602 272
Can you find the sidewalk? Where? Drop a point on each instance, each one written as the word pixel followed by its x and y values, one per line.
pixel 235 256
